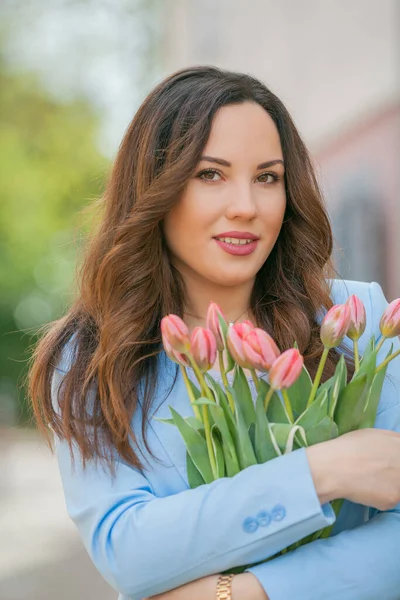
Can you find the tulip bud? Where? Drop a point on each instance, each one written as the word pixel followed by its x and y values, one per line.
pixel 235 337
pixel 175 334
pixel 213 324
pixel 203 347
pixel 335 325
pixel 286 369
pixel 177 357
pixel 390 320
pixel 260 349
pixel 358 319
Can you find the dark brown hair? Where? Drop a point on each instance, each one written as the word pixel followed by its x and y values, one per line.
pixel 127 283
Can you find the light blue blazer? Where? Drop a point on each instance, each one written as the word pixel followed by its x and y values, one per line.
pixel 148 533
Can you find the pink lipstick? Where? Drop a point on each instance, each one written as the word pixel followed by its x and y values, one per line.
pixel 227 240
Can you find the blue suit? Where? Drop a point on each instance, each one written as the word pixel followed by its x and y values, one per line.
pixel 148 533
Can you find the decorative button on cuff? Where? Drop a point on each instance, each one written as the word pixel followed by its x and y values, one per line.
pixel 263 518
pixel 278 512
pixel 250 525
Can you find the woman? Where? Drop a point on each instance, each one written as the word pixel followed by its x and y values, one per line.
pixel 212 160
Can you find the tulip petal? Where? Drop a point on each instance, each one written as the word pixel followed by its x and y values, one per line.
pixel 203 348
pixel 390 320
pixel 335 325
pixel 357 317
pixel 286 369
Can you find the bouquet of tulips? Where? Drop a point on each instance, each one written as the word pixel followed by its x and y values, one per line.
pixel 232 429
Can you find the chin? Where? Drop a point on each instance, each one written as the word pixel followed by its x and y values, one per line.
pixel 233 279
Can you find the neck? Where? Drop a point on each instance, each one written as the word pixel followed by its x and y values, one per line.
pixel 233 301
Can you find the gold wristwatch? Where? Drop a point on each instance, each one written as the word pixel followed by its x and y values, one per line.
pixel 224 587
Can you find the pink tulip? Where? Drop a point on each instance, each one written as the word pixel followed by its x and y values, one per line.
pixel 260 349
pixel 286 369
pixel 177 357
pixel 212 323
pixel 235 336
pixel 203 347
pixel 175 334
pixel 335 325
pixel 390 320
pixel 358 318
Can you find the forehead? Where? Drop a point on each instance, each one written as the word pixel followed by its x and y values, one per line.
pixel 240 130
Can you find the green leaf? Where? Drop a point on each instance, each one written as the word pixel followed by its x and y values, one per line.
pixel 194 477
pixel 296 439
pixel 371 408
pixel 202 400
pixel 339 382
pixel 231 459
pixel 299 392
pixel 245 449
pixel 195 389
pixel 289 437
pixel 315 412
pixel 351 403
pixel 195 445
pixel 276 412
pixel 266 446
pixel 219 454
pixel 327 385
pixel 192 421
pixel 252 434
pixel 322 431
pixel 244 396
pixel 367 366
pixel 369 349
pixel 222 401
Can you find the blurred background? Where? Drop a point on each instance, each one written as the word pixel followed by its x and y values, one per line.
pixel 72 75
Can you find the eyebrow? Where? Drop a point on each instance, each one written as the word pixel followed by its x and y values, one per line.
pixel 225 163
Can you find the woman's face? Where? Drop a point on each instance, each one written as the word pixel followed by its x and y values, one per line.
pixel 232 196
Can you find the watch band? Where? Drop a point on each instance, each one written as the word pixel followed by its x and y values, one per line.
pixel 224 587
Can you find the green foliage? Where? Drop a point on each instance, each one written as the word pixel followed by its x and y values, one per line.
pixel 49 169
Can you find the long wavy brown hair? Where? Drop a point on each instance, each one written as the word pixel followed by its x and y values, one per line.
pixel 126 282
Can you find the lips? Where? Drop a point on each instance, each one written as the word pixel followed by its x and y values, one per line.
pixel 237 249
pixel 240 235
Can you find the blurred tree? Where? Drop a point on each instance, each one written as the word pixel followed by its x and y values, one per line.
pixel 50 167
pixel 105 51
pixel 72 73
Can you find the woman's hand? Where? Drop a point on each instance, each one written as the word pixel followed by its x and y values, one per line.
pixel 361 466
pixel 244 587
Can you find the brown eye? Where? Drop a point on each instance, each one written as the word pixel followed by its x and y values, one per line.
pixel 273 176
pixel 208 175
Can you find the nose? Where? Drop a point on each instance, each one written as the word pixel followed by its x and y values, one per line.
pixel 242 202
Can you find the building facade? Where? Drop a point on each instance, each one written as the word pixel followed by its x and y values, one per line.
pixel 334 65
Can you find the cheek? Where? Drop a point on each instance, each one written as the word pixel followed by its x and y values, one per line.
pixel 193 214
pixel 187 224
pixel 272 213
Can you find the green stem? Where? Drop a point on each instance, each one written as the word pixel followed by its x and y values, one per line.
pixel 255 379
pixel 190 392
pixel 200 378
pixel 387 361
pixel 210 446
pixel 225 380
pixel 379 346
pixel 318 376
pixel 268 398
pixel 356 356
pixel 288 406
pixel 207 393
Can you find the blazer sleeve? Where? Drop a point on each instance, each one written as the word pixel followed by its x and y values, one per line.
pixel 357 564
pixel 144 545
